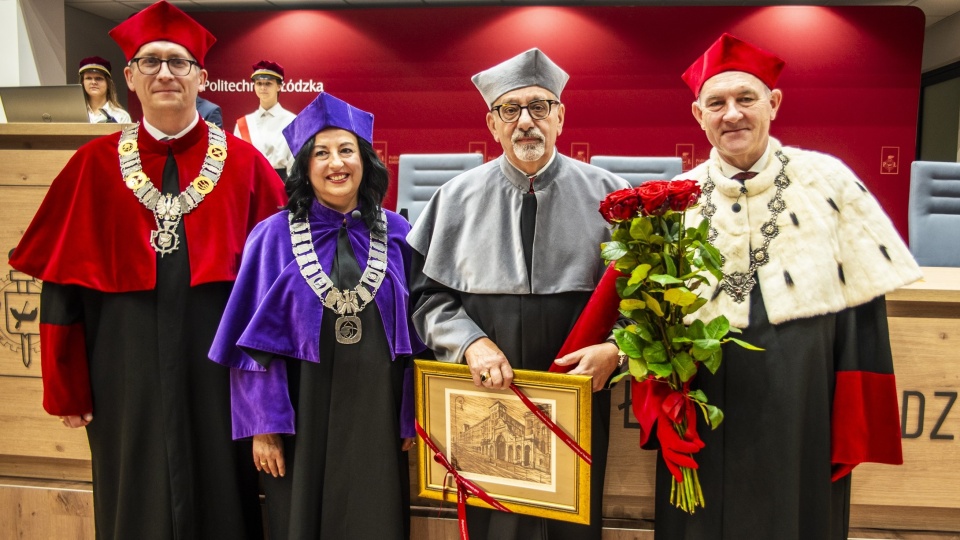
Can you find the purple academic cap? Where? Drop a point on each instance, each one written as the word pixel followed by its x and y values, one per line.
pixel 325 112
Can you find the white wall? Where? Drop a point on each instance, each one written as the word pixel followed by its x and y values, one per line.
pixel 87 35
pixel 941 43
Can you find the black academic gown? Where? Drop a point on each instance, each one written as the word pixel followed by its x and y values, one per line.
pixel 164 463
pixel 765 471
pixel 346 476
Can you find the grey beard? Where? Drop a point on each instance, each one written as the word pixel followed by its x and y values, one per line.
pixel 529 152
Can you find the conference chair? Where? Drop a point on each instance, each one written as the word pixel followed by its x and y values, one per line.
pixel 420 175
pixel 934 213
pixel 638 170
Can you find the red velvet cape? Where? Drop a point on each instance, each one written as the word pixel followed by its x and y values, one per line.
pixel 92 231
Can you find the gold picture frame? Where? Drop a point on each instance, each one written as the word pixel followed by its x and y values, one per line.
pixel 500 445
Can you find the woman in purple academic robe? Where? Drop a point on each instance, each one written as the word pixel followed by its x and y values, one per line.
pixel 318 337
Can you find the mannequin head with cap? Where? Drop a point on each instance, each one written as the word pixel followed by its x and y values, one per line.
pixel 525 114
pixel 736 101
pixel 335 162
pixel 165 51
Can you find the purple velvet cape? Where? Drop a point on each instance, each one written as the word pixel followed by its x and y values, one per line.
pixel 273 310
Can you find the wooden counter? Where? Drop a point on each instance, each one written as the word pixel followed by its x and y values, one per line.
pixel 45 468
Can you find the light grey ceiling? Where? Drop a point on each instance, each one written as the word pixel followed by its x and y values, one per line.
pixel 117 10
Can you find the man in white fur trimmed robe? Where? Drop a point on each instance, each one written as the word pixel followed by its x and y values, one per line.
pixel 808 257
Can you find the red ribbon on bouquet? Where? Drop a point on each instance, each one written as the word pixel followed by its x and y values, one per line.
pixel 655 403
pixel 652 400
pixel 465 488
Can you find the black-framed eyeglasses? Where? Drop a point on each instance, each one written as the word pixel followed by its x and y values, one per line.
pixel 538 109
pixel 150 65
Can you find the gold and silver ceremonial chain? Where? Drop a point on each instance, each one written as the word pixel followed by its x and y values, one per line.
pixel 169 209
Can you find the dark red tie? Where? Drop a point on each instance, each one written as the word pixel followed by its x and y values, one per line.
pixel 744 175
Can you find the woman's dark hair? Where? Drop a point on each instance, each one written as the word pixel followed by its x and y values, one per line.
pixel 373 185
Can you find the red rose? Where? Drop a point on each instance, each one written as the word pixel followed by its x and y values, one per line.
pixel 683 194
pixel 620 205
pixel 653 195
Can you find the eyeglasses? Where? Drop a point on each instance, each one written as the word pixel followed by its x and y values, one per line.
pixel 150 65
pixel 538 109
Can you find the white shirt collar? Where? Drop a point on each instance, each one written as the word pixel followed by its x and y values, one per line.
pixel 159 135
pixel 272 111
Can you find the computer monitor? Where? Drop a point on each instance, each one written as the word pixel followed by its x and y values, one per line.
pixel 43 104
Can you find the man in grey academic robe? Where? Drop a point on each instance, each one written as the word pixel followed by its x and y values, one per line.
pixel 505 257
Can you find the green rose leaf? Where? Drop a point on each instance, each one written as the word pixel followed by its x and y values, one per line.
pixel 616 378
pixel 718 327
pixel 652 304
pixel 639 274
pixel 665 279
pixel 680 296
pixel 744 344
pixel 638 368
pixel 655 353
pixel 643 331
pixel 661 370
pixel 684 365
pixel 671 265
pixel 712 362
pixel 696 330
pixel 697 304
pixel 713 415
pixel 641 229
pixel 629 342
pixel 697 395
pixel 703 348
pixel 611 251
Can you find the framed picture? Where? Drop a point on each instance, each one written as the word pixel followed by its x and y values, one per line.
pixel 494 440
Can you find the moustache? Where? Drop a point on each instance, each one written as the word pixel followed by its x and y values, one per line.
pixel 532 133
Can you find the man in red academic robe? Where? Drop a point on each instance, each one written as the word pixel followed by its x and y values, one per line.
pixel 138 242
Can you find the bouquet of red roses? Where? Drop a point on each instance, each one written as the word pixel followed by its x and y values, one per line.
pixel 662 263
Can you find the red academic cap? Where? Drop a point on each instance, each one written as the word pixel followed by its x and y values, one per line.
pixel 731 54
pixel 97 63
pixel 266 68
pixel 163 22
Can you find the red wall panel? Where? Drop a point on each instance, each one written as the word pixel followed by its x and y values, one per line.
pixel 851 84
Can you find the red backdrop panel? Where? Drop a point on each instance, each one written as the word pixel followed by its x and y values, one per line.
pixel 851 83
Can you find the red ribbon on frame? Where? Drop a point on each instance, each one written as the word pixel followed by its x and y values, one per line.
pixel 465 488
pixel 577 449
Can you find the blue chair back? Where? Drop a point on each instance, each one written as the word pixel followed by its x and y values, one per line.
pixel 420 175
pixel 934 213
pixel 638 170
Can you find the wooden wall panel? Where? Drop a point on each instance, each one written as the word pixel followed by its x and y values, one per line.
pixel 43 511
pixel 29 431
pixel 19 293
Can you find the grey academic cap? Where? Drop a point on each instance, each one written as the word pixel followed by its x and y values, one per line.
pixel 530 68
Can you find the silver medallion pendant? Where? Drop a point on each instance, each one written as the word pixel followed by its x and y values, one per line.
pixel 348 329
pixel 738 285
pixel 165 239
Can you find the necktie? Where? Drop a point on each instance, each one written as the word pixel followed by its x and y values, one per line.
pixel 742 177
pixel 528 225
